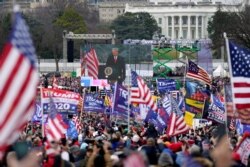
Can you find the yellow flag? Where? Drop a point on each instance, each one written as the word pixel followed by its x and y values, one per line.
pixel 195 103
pixel 189 118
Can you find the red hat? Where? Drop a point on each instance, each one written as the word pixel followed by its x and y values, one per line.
pixel 175 147
pixel 236 156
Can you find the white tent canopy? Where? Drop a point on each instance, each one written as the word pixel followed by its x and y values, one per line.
pixel 219 71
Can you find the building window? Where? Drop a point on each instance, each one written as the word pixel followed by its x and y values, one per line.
pixel 199 33
pixel 192 20
pixel 176 20
pixel 170 32
pixel 184 34
pixel 159 20
pixel 184 20
pixel 193 34
pixel 199 20
pixel 176 34
pixel 169 20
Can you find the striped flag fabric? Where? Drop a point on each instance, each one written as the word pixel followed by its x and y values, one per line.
pixel 198 73
pixel 78 124
pixel 176 124
pixel 91 63
pixel 240 69
pixel 140 93
pixel 55 85
pixel 19 80
pixel 56 127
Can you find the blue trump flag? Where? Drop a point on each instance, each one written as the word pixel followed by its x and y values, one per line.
pixel 120 105
pixel 216 110
pixel 165 85
pixel 72 131
pixel 92 103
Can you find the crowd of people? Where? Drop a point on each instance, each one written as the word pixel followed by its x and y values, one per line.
pixel 103 142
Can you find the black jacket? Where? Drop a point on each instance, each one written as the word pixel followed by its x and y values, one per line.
pixel 118 67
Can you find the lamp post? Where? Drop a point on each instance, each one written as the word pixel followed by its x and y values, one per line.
pixel 65 49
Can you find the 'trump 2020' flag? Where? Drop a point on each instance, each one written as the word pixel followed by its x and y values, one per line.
pixel 240 60
pixel 196 72
pixel 120 99
pixel 91 63
pixel 140 93
pixel 19 79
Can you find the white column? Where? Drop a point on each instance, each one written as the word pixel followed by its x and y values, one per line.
pixel 180 27
pixel 172 35
pixel 202 26
pixel 189 30
pixel 205 26
pixel 196 27
pixel 166 26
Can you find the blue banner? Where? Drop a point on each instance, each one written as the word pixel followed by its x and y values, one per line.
pixel 72 131
pixel 216 110
pixel 156 119
pixel 166 85
pixel 92 103
pixel 120 100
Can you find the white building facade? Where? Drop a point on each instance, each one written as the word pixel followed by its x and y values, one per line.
pixel 182 20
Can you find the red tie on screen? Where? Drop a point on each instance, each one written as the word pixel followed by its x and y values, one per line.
pixel 115 59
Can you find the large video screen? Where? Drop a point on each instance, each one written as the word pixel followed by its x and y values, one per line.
pixel 115 59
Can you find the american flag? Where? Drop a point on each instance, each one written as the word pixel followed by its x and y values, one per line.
pixel 56 127
pixel 176 124
pixel 140 93
pixel 19 80
pixel 55 85
pixel 240 68
pixel 196 72
pixel 78 124
pixel 91 63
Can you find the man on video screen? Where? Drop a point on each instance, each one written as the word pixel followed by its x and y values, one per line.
pixel 117 64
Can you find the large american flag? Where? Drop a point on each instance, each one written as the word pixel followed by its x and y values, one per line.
pixel 198 73
pixel 240 68
pixel 140 93
pixel 19 80
pixel 176 124
pixel 56 127
pixel 91 63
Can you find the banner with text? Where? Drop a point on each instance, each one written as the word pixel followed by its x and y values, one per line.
pixel 165 85
pixel 120 100
pixel 66 102
pixel 93 103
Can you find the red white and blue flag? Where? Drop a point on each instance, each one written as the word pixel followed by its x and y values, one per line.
pixel 140 93
pixel 91 63
pixel 198 73
pixel 56 127
pixel 19 79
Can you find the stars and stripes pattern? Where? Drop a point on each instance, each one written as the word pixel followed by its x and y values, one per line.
pixel 55 85
pixel 240 68
pixel 91 63
pixel 19 80
pixel 176 124
pixel 140 93
pixel 198 73
pixel 56 127
pixel 78 124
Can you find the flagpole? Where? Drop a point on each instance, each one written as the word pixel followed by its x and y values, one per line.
pixel 129 71
pixel 230 72
pixel 42 112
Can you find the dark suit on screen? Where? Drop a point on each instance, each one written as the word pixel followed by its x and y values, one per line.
pixel 118 67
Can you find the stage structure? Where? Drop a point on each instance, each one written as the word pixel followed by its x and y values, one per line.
pixel 71 36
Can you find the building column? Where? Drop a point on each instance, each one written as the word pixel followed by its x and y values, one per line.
pixel 202 26
pixel 172 35
pixel 205 26
pixel 196 27
pixel 180 27
pixel 166 26
pixel 189 29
